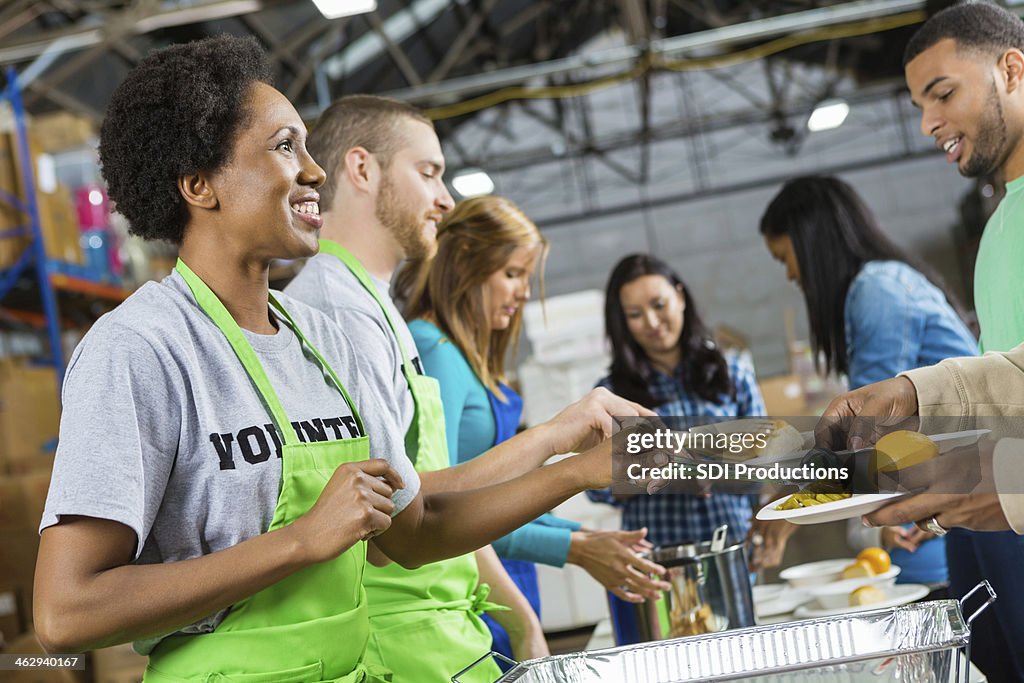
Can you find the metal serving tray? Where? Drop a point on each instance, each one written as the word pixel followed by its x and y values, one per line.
pixel 918 642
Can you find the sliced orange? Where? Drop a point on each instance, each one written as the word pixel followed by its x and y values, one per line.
pixel 858 570
pixel 866 595
pixel 901 449
pixel 876 557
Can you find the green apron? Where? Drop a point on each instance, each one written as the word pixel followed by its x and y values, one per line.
pixel 424 622
pixel 313 625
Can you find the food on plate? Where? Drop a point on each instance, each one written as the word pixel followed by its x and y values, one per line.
pixel 741 440
pixel 804 499
pixel 901 449
pixel 816 494
pixel 867 595
pixel 876 557
pixel 783 439
pixel 858 570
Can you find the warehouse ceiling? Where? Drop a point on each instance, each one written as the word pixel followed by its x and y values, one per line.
pixel 71 53
pixel 716 64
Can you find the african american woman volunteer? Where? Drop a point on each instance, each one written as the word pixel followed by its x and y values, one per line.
pixel 214 482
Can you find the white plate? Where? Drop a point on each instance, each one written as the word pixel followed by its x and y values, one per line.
pixel 815 573
pixel 902 594
pixel 783 603
pixel 861 503
pixel 945 442
pixel 854 506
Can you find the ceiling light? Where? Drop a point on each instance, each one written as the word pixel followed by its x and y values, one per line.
pixel 828 114
pixel 332 9
pixel 472 182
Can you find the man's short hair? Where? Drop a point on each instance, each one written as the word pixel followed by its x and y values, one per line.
pixel 974 25
pixel 368 121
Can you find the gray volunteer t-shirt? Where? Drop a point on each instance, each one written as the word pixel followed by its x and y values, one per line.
pixel 163 431
pixel 326 284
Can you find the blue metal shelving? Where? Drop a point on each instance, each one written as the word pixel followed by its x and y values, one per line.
pixel 34 255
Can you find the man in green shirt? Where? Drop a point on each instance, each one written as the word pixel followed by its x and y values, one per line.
pixel 965 72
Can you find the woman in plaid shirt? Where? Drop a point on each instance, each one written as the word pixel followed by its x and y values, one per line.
pixel 664 357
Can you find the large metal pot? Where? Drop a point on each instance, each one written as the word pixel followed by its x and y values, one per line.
pixel 710 593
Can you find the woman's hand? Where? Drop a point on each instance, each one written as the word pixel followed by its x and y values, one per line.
pixel 528 643
pixel 520 621
pixel 901 537
pixel 589 421
pixel 768 542
pixel 611 558
pixel 354 506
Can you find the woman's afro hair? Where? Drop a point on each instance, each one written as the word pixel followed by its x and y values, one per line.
pixel 175 114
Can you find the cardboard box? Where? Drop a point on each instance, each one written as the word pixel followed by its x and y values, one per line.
pixel 18 552
pixel 784 396
pixel 118 664
pixel 22 499
pixel 29 417
pixel 58 221
pixel 10 217
pixel 57 217
pixel 33 488
pixel 12 504
pixel 62 130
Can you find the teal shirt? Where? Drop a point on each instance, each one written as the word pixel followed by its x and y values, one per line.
pixel 468 419
pixel 471 430
pixel 999 274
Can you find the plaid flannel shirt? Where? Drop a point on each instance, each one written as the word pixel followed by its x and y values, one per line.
pixel 671 517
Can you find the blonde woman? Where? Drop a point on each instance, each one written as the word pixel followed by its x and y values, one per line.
pixel 465 307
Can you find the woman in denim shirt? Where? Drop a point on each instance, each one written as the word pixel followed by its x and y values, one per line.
pixel 873 314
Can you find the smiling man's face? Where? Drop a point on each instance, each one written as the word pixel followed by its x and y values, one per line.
pixel 961 97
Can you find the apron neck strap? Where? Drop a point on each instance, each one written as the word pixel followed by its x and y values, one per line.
pixel 359 270
pixel 214 308
pixel 320 360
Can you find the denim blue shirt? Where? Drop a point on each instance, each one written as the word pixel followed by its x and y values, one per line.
pixel 674 517
pixel 896 320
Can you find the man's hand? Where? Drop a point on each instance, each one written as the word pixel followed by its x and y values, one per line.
pixel 768 542
pixel 979 512
pixel 956 488
pixel 611 558
pixel 908 539
pixel 589 421
pixel 858 418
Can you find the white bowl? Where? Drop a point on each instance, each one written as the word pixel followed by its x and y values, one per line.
pixel 886 579
pixel 837 595
pixel 815 573
pixel 767 591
